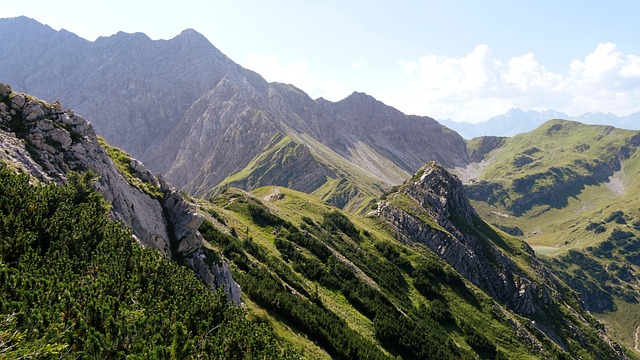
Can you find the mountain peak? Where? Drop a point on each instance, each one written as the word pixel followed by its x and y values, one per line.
pixel 192 35
pixel 23 26
pixel 360 96
pixel 514 111
pixel 441 190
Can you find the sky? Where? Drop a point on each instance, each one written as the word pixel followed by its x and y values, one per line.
pixel 454 59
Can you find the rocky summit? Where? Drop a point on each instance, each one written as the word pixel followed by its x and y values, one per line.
pixel 436 194
pixel 186 110
pixel 432 209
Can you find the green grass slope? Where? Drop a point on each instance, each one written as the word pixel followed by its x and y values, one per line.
pixel 75 285
pixel 298 162
pixel 570 190
pixel 551 164
pixel 339 285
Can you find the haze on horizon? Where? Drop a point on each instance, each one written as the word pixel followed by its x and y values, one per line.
pixel 460 60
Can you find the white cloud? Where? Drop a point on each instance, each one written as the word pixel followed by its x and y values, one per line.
pixel 631 68
pixel 296 73
pixel 476 87
pixel 360 63
pixel 599 65
pixel 408 66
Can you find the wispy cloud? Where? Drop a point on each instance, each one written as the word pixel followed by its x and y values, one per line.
pixel 478 86
pixel 297 73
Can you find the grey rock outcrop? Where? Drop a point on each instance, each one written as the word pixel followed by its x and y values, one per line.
pixel 485 145
pixel 49 143
pixel 441 197
pixel 432 209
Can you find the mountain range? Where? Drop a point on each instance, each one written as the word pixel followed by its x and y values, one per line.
pixel 517 121
pixel 182 106
pixel 340 226
pixel 353 286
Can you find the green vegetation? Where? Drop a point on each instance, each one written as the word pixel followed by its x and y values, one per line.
pixel 122 160
pixel 73 284
pixel 576 203
pixel 338 283
pixel 302 163
pixel 551 164
pixel 603 272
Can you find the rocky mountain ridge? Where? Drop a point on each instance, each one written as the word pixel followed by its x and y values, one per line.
pixel 49 143
pixel 187 111
pixel 432 208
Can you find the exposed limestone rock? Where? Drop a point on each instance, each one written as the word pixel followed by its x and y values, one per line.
pixel 441 196
pixel 48 144
pixel 18 101
pixel 5 90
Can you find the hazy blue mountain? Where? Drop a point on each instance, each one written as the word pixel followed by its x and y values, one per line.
pixel 516 121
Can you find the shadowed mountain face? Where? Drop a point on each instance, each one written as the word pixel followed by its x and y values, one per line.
pixel 185 109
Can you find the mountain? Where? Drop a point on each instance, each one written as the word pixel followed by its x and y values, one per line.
pixel 90 245
pixel 423 277
pixel 423 263
pixel 49 144
pixel 187 111
pixel 516 121
pixel 152 82
pixel 569 189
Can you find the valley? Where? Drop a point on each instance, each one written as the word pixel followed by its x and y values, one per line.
pixel 580 212
pixel 272 225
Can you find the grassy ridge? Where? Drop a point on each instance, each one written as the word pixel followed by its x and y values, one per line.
pixel 583 182
pixel 551 164
pixel 303 262
pixel 302 163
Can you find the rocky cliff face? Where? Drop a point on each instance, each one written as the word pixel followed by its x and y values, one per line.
pixel 48 143
pixel 237 119
pixel 189 112
pixel 432 209
pixel 454 234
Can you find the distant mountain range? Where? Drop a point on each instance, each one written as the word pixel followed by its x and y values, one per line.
pixel 516 121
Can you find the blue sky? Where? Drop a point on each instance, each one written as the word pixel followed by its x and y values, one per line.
pixel 464 60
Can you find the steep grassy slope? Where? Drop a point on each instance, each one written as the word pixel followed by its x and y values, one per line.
pixel 282 162
pixel 548 184
pixel 301 163
pixel 570 190
pixel 551 164
pixel 74 284
pixel 341 285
